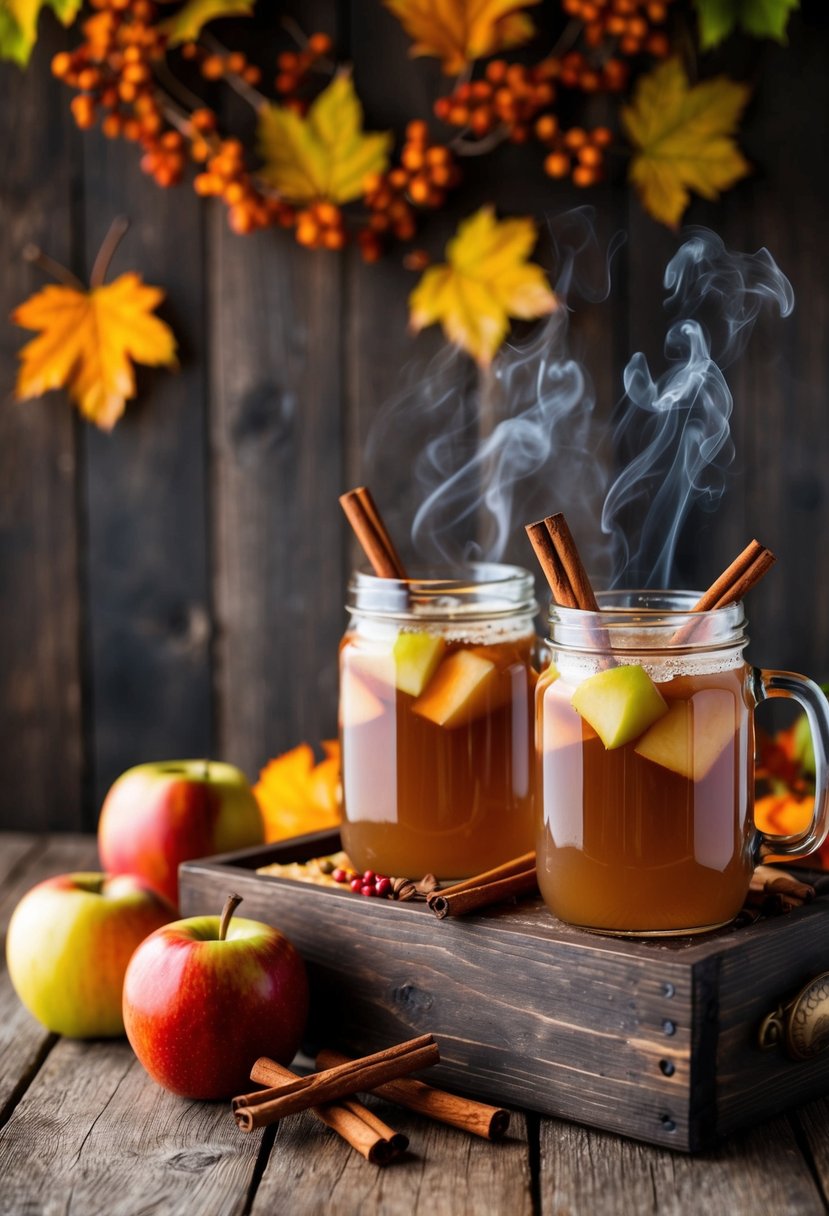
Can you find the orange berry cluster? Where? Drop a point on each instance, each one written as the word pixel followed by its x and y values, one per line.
pixel 576 71
pixel 214 66
pixel 321 226
pixel 113 71
pixel 631 22
pixel 424 175
pixel 226 177
pixel 510 95
pixel 575 153
pixel 296 66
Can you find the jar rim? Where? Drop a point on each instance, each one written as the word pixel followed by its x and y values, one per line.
pixel 642 619
pixel 472 591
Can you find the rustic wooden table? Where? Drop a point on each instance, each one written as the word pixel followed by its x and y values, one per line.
pixel 84 1130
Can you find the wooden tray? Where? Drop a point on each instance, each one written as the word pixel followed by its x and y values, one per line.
pixel 655 1039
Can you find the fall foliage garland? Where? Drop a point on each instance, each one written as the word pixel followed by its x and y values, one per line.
pixel 317 171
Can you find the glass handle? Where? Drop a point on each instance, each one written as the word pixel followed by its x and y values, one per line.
pixel 765 685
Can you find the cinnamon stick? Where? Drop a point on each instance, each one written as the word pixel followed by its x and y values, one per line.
pixel 732 585
pixel 288 1098
pixel 364 517
pixel 550 563
pixel 738 578
pixel 512 878
pixel 357 1125
pixel 570 559
pixel 478 1118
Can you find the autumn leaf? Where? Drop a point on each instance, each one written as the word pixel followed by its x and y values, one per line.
pixel 18 24
pixel 87 341
pixel 326 154
pixel 485 281
pixel 458 31
pixel 684 139
pixel 296 795
pixel 761 18
pixel 186 24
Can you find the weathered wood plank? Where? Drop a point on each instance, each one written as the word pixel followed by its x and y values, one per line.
pixel 94 1134
pixel 40 661
pixel 587 1171
pixel 445 1172
pixel 15 848
pixel 813 1121
pixel 148 609
pixel 23 1041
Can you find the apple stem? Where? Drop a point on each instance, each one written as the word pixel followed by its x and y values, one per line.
pixel 231 904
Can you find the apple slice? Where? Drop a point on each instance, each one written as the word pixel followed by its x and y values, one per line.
pixel 358 704
pixel 462 688
pixel 416 657
pixel 692 735
pixel 619 704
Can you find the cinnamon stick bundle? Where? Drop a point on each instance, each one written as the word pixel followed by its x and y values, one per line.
pixel 478 1118
pixel 289 1097
pixel 373 535
pixel 561 562
pixel 357 1125
pixel 511 878
pixel 732 585
pixel 777 890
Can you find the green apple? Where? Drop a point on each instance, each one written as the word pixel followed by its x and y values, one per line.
pixel 69 941
pixel 692 735
pixel 619 704
pixel 464 687
pixel 416 657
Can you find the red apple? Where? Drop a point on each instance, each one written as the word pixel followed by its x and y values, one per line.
pixel 69 941
pixel 204 998
pixel 158 815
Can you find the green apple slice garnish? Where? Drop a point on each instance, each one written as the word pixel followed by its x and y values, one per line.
pixel 462 688
pixel 416 657
pixel 619 704
pixel 692 735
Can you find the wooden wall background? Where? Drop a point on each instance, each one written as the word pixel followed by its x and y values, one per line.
pixel 176 588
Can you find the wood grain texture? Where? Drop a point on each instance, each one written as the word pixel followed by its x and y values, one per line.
pixel 586 1040
pixel 95 1134
pixel 148 616
pixel 444 1173
pixel 759 1171
pixel 40 610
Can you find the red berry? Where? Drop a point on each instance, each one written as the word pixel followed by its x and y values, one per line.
pixel 367 889
pixel 339 875
pixel 369 876
pixel 356 885
pixel 383 886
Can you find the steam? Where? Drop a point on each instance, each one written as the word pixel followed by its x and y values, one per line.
pixel 679 424
pixel 492 451
pixel 497 450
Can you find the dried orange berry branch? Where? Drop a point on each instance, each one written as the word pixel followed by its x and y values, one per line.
pixel 315 169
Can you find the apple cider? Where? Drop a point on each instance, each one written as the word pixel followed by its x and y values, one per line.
pixel 645 740
pixel 436 722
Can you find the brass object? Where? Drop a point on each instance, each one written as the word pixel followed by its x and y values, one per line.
pixel 801 1025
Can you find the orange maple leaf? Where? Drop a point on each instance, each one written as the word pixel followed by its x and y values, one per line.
pixel 87 342
pixel 296 795
pixel 458 31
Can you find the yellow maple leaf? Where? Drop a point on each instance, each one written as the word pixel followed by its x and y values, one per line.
pixel 326 154
pixel 87 341
pixel 296 795
pixel 684 139
pixel 18 24
pixel 458 31
pixel 186 24
pixel 485 281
